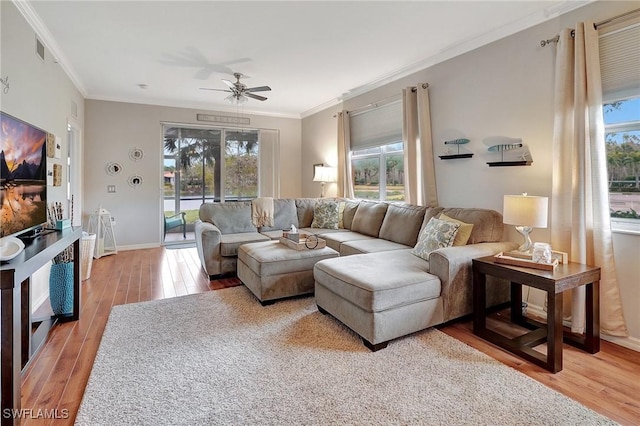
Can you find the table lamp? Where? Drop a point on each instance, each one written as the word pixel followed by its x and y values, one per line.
pixel 324 174
pixel 526 212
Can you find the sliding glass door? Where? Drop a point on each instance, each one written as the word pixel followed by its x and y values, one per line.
pixel 206 165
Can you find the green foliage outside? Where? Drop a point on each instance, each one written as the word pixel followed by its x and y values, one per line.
pixel 623 156
pixel 629 214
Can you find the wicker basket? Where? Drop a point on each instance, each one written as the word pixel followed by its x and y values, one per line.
pixel 86 255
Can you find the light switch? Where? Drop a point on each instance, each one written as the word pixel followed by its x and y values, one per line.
pixel 111 189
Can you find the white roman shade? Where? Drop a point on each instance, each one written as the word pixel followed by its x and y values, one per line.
pixel 378 126
pixel 620 60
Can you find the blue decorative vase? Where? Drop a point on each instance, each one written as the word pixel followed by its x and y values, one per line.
pixel 61 288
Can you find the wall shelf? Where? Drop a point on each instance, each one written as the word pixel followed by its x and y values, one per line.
pixel 454 156
pixel 510 163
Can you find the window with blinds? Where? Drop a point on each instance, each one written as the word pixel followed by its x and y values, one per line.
pixel 620 69
pixel 377 155
pixel 620 61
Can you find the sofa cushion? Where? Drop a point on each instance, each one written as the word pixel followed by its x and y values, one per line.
pixel 368 218
pixel 341 214
pixel 230 218
pixel 437 234
pixel 365 281
pixel 487 224
pixel 373 245
pixel 334 239
pixel 285 214
pixel 320 231
pixel 402 223
pixel 325 215
pixel 274 235
pixel 350 208
pixel 428 214
pixel 464 232
pixel 304 209
pixel 229 243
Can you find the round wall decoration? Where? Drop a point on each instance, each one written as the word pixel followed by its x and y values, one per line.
pixel 136 154
pixel 113 168
pixel 135 181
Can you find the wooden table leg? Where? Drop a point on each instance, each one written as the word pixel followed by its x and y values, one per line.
pixel 516 303
pixel 25 296
pixel 479 302
pixel 592 331
pixel 10 368
pixel 554 331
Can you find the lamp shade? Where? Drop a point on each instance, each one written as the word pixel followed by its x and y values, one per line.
pixel 525 210
pixel 324 174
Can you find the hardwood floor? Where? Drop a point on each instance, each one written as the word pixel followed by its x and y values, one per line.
pixel 55 379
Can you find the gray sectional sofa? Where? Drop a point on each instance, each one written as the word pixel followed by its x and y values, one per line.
pixel 377 287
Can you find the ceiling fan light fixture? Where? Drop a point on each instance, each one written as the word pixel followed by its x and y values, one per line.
pixel 236 99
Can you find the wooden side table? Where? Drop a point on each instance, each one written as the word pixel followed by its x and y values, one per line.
pixel 554 283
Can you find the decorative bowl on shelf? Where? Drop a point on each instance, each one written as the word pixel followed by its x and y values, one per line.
pixel 10 247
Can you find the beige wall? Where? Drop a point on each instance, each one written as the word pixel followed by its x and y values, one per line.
pixel 41 94
pixel 113 128
pixel 501 89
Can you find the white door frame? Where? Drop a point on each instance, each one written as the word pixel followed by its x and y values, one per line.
pixel 74 170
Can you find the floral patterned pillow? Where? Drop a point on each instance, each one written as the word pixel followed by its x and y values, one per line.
pixel 325 215
pixel 437 234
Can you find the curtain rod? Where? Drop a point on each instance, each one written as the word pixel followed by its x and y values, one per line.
pixel 382 102
pixel 555 39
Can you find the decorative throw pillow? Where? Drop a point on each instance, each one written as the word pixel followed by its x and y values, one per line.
pixel 464 232
pixel 437 234
pixel 341 205
pixel 325 215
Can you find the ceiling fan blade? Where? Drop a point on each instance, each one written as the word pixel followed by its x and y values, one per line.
pixel 258 97
pixel 217 90
pixel 228 83
pixel 258 89
pixel 203 74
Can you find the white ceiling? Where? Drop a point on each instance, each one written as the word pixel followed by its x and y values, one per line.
pixel 312 54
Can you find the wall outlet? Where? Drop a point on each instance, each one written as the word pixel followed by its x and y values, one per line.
pixel 113 221
pixel 111 189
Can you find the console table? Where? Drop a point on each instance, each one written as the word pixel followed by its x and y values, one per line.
pixel 15 309
pixel 554 283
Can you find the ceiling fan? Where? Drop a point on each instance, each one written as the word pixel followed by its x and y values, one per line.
pixel 239 92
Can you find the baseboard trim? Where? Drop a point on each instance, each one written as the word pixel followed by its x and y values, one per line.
pixel 35 305
pixel 632 343
pixel 138 246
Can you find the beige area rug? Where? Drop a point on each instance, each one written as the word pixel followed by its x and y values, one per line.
pixel 222 358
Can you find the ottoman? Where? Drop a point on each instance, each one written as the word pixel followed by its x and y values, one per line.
pixel 380 296
pixel 273 271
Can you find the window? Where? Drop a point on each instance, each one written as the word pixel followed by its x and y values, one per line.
pixel 369 183
pixel 622 138
pixel 204 164
pixel 377 153
pixel 620 67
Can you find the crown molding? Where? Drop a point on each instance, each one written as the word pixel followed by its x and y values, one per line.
pixel 45 36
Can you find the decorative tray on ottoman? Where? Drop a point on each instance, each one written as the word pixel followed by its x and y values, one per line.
pixel 304 242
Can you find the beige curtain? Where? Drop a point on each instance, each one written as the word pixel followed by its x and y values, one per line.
pixel 580 221
pixel 419 169
pixel 345 176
